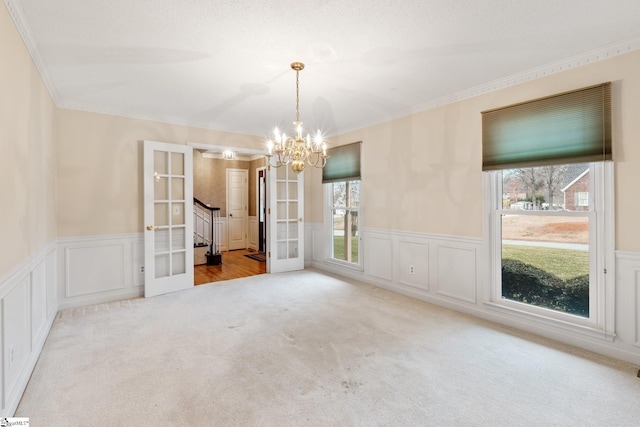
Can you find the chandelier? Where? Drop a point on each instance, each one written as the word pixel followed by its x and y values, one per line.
pixel 297 150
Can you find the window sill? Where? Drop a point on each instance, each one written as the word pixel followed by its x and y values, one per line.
pixel 345 264
pixel 545 321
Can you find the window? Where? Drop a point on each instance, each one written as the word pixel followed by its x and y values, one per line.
pixel 342 187
pixel 581 198
pixel 344 217
pixel 549 259
pixel 549 197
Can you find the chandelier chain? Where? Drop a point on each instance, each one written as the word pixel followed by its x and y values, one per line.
pixel 297 96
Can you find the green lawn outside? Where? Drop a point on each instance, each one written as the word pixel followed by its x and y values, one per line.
pixel 563 263
pixel 338 248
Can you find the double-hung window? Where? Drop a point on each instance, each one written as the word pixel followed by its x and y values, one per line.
pixel 343 195
pixel 549 196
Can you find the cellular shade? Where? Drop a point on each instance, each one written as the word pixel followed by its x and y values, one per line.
pixel 571 127
pixel 343 163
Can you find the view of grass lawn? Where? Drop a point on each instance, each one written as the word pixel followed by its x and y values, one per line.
pixel 338 248
pixel 563 263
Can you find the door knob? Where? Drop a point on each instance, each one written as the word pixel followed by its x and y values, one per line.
pixel 230 214
pixel 149 227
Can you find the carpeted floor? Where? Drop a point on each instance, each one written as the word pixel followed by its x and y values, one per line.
pixel 307 349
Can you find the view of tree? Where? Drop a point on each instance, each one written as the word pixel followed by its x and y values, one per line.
pixel 542 184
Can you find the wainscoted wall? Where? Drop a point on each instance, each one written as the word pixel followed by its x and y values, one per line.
pixel 96 269
pixel 449 271
pixel 28 307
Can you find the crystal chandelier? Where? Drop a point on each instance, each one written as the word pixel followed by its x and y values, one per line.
pixel 297 150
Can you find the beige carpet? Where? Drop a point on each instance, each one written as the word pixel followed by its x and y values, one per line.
pixel 305 348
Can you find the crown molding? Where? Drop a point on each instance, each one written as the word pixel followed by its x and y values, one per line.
pixel 575 61
pixel 585 58
pixel 27 37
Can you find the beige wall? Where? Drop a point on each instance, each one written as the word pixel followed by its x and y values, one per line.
pixel 423 173
pixel 27 153
pixel 100 168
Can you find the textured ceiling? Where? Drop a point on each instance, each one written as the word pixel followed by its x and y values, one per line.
pixel 225 64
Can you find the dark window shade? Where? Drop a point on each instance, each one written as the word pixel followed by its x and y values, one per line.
pixel 571 127
pixel 343 163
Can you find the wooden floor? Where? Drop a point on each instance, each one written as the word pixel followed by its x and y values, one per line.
pixel 234 265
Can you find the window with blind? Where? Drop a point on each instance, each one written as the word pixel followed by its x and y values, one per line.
pixel 343 188
pixel 546 173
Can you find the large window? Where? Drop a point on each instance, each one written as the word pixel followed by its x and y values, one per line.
pixel 549 193
pixel 344 216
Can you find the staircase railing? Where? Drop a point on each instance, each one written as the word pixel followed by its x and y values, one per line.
pixel 205 228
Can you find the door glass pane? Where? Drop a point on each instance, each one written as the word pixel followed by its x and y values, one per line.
pixel 161 214
pixel 162 266
pixel 282 210
pixel 293 249
pixel 281 231
pixel 293 190
pixel 293 210
pixel 161 240
pixel 178 238
pixel 178 263
pixel 281 172
pixel 282 250
pixel 160 162
pixel 177 164
pixel 177 213
pixel 281 191
pixel 293 229
pixel 161 188
pixel 177 188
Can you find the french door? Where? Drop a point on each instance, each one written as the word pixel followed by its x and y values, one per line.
pixel 168 217
pixel 285 213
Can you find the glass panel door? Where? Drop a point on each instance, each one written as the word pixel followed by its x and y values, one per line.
pixel 168 218
pixel 286 220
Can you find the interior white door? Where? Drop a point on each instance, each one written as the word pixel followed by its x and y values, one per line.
pixel 285 196
pixel 237 200
pixel 168 217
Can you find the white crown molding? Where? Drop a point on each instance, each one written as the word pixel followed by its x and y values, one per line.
pixel 27 37
pixel 576 61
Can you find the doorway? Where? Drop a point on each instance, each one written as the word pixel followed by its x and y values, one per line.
pixel 232 186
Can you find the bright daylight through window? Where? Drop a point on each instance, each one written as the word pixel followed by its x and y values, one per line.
pixel 545 219
pixel 345 206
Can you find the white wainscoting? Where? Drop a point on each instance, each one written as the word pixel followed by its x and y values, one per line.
pixel 253 232
pixel 97 269
pixel 628 297
pixel 29 306
pixel 447 270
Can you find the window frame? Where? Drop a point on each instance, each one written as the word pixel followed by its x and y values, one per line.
pixel 601 321
pixel 328 226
